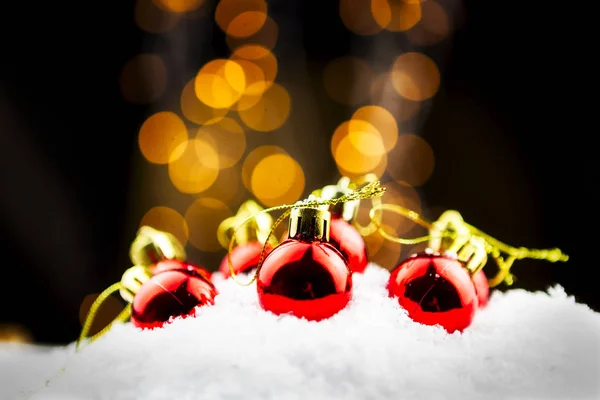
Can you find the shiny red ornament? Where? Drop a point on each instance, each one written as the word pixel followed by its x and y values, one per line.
pixel 305 276
pixel 482 288
pixel 435 290
pixel 244 258
pixel 171 292
pixel 308 280
pixel 350 243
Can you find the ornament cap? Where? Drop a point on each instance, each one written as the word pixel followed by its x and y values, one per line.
pixel 132 281
pixel 344 210
pixel 309 224
pixel 151 246
pixel 257 229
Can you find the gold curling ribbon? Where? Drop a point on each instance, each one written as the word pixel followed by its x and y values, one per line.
pixel 471 245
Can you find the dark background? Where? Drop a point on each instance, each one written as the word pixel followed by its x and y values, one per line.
pixel 512 152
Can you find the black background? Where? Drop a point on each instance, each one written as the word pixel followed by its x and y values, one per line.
pixel 512 151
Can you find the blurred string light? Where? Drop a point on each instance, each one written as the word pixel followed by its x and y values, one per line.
pixel 203 142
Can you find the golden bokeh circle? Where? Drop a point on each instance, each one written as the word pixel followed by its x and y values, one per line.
pixel 396 15
pixel 196 168
pixel 167 219
pixel 383 93
pixel 415 76
pixel 412 160
pixel 179 6
pixel 228 139
pixel 261 57
pixel 220 83
pixel 434 26
pixel 195 110
pixel 241 18
pixel 253 158
pixel 269 112
pixel 358 17
pixel 265 37
pixel 381 120
pixel 160 135
pixel 347 151
pixel 277 179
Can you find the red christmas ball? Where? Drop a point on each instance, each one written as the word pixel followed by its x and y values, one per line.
pixel 435 289
pixel 244 258
pixel 306 279
pixel 170 293
pixel 167 265
pixel 482 288
pixel 350 243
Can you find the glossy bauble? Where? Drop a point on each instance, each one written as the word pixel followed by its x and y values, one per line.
pixel 482 288
pixel 244 258
pixel 435 290
pixel 350 243
pixel 170 293
pixel 167 265
pixel 306 279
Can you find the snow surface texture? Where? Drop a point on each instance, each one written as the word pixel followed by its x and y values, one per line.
pixel 522 346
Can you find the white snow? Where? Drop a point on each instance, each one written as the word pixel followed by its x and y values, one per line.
pixel 524 345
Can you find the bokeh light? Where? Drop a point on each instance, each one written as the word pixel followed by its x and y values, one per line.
pixel 396 15
pixel 111 307
pixel 383 93
pixel 143 79
pixel 277 179
pixel 255 83
pixel 179 6
pixel 15 333
pixel 167 219
pixel 241 18
pixel 265 37
pixel 357 147
pixel 381 120
pixel 227 138
pixel 160 135
pixel 359 18
pixel 203 217
pixel 269 111
pixel 153 19
pixel 264 59
pixel 195 110
pixel 412 160
pixel 347 80
pixel 195 166
pixel 220 83
pixel 433 27
pixel 415 76
pixel 252 160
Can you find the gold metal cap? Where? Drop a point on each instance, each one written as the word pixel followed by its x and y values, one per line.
pixel 309 224
pixel 346 210
pixel 257 229
pixel 132 281
pixel 151 246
